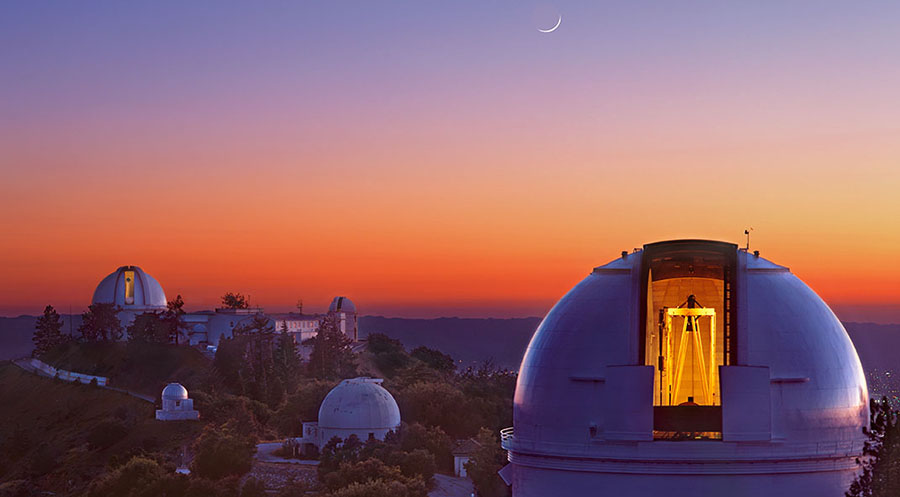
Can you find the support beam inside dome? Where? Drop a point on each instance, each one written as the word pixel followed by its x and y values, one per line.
pixel 688 333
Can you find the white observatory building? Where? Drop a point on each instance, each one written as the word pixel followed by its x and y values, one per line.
pixel 344 312
pixel 132 290
pixel 176 406
pixel 688 368
pixel 358 406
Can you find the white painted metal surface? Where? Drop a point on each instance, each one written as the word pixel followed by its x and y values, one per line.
pixel 793 406
pixel 358 406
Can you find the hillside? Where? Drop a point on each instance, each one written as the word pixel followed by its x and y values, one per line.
pixel 469 340
pixel 15 334
pixel 144 368
pixel 877 345
pixel 59 436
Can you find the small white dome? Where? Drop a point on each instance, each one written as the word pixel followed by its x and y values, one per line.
pixel 359 404
pixel 130 288
pixel 342 304
pixel 174 391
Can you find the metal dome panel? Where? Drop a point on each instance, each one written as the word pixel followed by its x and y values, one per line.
pixel 589 411
pixel 359 404
pixel 130 288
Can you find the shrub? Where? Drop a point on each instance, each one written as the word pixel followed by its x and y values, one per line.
pixel 221 452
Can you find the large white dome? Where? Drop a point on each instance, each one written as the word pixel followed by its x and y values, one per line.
pixel 130 288
pixel 359 404
pixel 782 399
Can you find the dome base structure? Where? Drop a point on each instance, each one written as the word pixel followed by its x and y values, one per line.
pixel 357 406
pixel 688 368
pixel 176 406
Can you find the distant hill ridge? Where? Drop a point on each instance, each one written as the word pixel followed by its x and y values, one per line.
pixel 474 340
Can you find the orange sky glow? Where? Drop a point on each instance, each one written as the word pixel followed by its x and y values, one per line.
pixel 484 184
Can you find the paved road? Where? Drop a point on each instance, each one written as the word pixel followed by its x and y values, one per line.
pixel 451 486
pixel 265 453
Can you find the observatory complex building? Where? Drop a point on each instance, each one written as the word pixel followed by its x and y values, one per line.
pixel 357 406
pixel 134 292
pixel 688 368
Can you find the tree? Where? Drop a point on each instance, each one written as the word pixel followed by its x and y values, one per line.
pixel 438 404
pixel 301 405
pixel 246 361
pixel 148 327
pixel 174 319
pixel 433 439
pixel 483 466
pixel 47 332
pixel 235 301
pixel 379 488
pixel 287 362
pixel 331 356
pixel 880 476
pixel 343 464
pixel 434 359
pixel 101 323
pixel 388 354
pixel 222 451
pixel 140 476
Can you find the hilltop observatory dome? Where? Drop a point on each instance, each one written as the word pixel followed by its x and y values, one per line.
pixel 344 310
pixel 342 304
pixel 174 391
pixel 130 288
pixel 688 368
pixel 176 406
pixel 358 406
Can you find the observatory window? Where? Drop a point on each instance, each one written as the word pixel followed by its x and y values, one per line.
pixel 687 334
pixel 129 287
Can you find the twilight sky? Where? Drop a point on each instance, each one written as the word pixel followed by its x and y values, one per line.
pixel 442 158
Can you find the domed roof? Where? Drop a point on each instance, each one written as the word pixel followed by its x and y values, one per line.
pixel 342 304
pixel 174 391
pixel 359 403
pixel 589 356
pixel 129 287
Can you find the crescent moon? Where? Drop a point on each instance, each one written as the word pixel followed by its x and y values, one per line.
pixel 558 22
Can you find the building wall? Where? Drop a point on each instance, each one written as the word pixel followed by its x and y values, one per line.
pixel 326 434
pixel 459 468
pixel 538 482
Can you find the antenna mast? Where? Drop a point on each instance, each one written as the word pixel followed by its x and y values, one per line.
pixel 747 232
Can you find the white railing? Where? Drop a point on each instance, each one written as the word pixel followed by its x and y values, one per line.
pixel 67 375
pixel 506 437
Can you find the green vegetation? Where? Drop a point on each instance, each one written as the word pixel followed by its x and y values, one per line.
pixel 101 323
pixel 880 476
pixel 484 464
pixel 148 327
pixel 60 436
pixel 235 301
pixel 47 332
pixel 256 388
pixel 139 366
pixel 246 362
pixel 331 356
pixel 222 451
pixel 159 327
pixel 350 462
